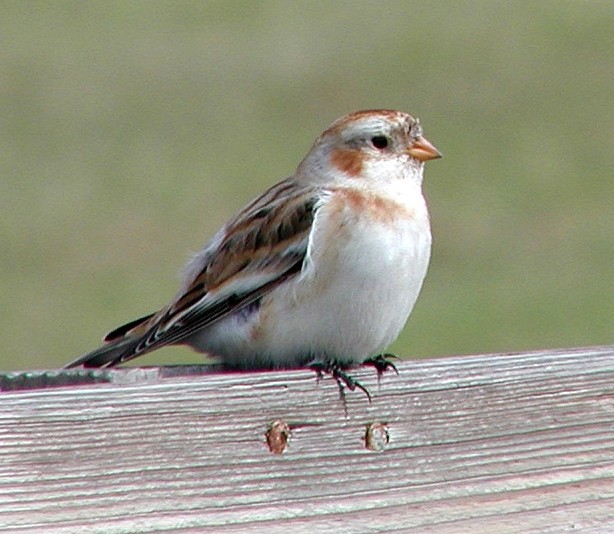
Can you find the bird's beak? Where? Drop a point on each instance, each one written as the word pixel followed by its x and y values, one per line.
pixel 423 150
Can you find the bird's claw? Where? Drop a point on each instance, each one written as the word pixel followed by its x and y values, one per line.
pixel 341 377
pixel 382 363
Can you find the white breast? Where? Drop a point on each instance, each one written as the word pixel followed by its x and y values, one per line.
pixel 359 284
pixel 367 258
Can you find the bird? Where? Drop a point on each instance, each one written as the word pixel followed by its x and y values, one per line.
pixel 322 270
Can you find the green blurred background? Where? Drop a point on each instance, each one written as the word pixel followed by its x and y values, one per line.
pixel 130 131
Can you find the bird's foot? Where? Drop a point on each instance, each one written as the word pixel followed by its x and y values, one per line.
pixel 382 363
pixel 341 377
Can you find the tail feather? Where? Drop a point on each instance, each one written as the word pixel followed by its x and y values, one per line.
pixel 121 345
pixel 107 355
pixel 125 329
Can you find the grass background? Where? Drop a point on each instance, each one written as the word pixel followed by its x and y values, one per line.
pixel 130 131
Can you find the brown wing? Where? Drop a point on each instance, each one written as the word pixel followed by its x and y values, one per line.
pixel 262 247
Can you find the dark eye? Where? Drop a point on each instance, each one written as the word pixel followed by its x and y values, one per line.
pixel 379 141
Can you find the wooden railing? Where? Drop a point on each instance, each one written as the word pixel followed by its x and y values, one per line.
pixel 492 443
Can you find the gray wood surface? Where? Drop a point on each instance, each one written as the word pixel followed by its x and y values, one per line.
pixel 492 443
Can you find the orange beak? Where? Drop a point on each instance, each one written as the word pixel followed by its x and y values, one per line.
pixel 423 150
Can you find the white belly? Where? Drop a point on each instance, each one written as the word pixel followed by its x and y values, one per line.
pixel 358 287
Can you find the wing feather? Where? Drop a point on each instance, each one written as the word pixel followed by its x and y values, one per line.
pixel 261 247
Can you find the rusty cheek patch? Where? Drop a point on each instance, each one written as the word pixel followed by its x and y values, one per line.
pixel 349 162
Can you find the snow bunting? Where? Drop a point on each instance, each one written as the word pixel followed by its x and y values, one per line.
pixel 323 269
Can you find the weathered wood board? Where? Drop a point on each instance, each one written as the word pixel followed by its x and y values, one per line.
pixel 492 443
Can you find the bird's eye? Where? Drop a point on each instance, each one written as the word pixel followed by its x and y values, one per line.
pixel 379 141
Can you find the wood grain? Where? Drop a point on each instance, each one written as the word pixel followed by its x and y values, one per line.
pixel 491 443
